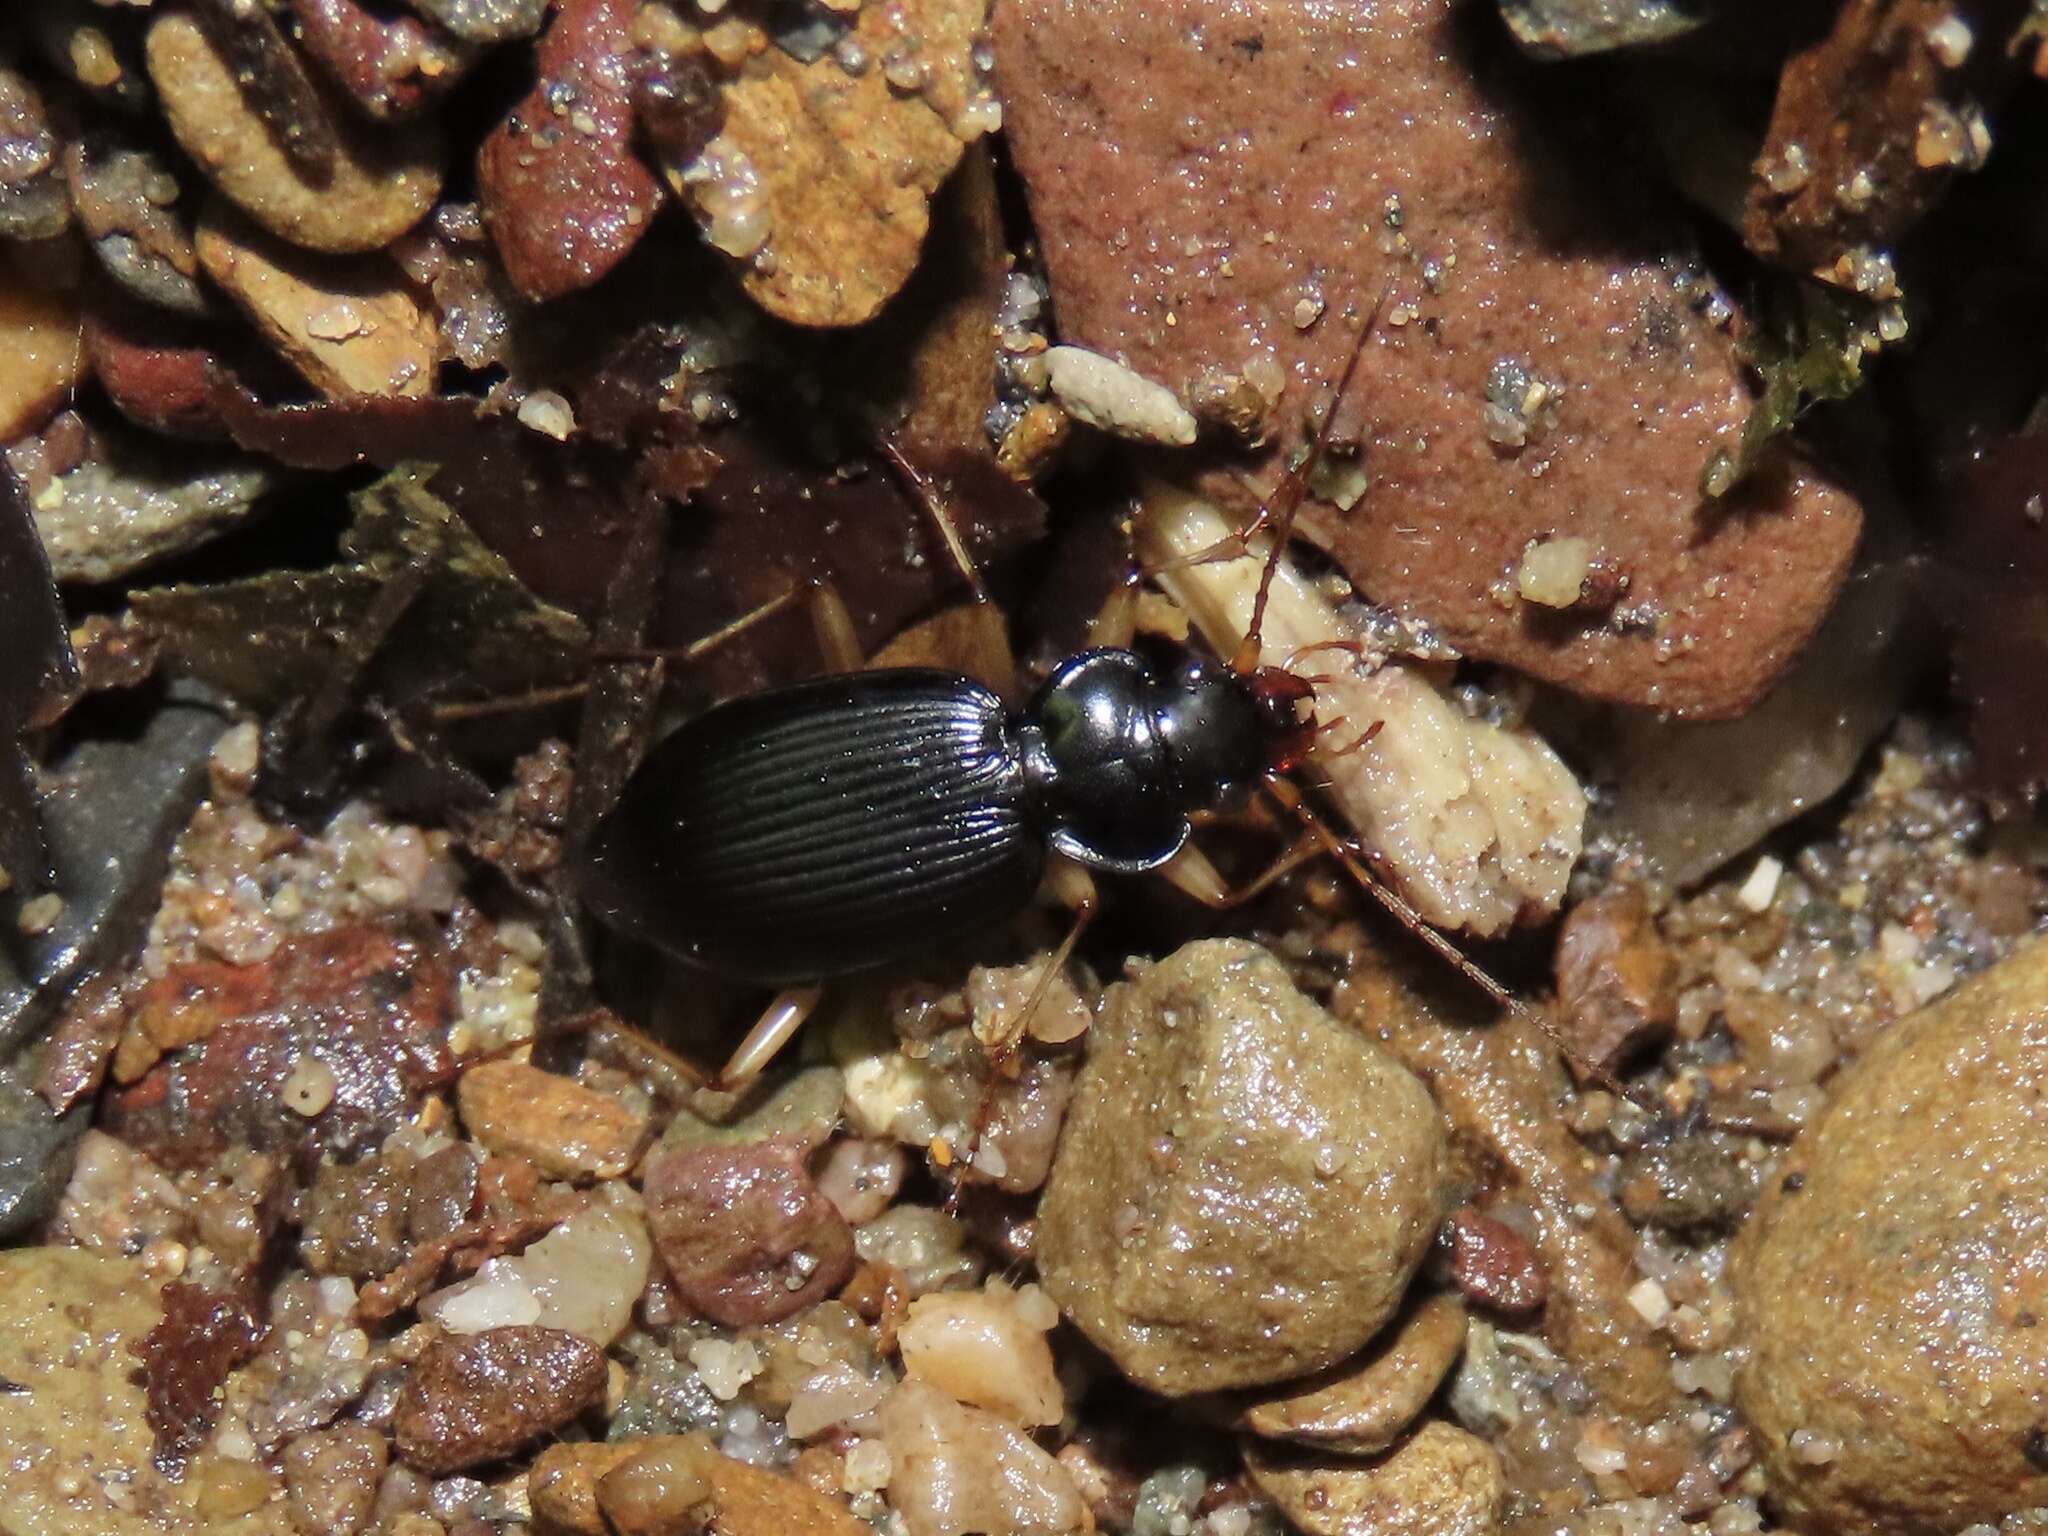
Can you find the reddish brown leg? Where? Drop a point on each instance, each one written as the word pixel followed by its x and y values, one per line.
pixel 1075 889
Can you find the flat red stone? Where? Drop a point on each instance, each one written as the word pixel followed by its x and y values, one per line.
pixel 1199 168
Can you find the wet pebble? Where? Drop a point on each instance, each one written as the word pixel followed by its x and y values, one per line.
pixel 124 501
pixel 381 185
pixel 331 1478
pixel 348 324
pixel 1363 1406
pixel 566 1130
pixel 161 384
pixel 1493 1264
pixel 126 197
pixel 1616 980
pixel 1244 1186
pixel 1440 1480
pixel 475 1399
pixel 390 66
pixel 1893 1280
pixel 563 192
pixel 746 1235
pixel 671 1485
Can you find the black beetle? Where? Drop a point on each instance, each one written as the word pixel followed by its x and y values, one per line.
pixel 846 822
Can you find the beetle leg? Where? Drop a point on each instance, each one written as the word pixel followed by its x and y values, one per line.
pixel 771 1032
pixel 833 624
pixel 1117 623
pixel 1191 872
pixel 1075 888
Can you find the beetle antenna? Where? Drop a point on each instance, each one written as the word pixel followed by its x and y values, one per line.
pixel 1403 911
pixel 1278 511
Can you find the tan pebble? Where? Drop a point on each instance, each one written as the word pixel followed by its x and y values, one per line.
pixel 332 1476
pixel 820 180
pixel 569 1131
pixel 656 1491
pixel 984 1348
pixel 679 1484
pixel 1362 1406
pixel 562 1486
pixel 1190 1160
pixel 225 1489
pixel 1104 393
pixel 42 355
pixel 1889 1281
pixel 349 325
pixel 382 184
pixel 1440 1480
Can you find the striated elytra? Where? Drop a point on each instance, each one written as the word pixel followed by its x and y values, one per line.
pixel 842 823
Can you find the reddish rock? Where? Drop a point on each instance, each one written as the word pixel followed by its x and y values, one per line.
pixel 1493 1264
pixel 746 1235
pixel 203 1336
pixel 1617 981
pixel 389 66
pixel 563 192
pixel 371 1002
pixel 1218 188
pixel 161 386
pixel 478 1397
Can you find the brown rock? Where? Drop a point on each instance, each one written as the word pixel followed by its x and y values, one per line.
pixel 563 1485
pixel 1243 1187
pixel 1363 1406
pixel 331 1479
pixel 1147 132
pixel 390 66
pixel 1617 981
pixel 674 1485
pixel 163 388
pixel 846 163
pixel 1893 94
pixel 372 1002
pixel 1493 1264
pixel 1698 1182
pixel 1499 1086
pixel 1440 1480
pixel 350 325
pixel 42 359
pixel 380 185
pixel 736 1225
pixel 1893 1280
pixel 562 190
pixel 565 1129
pixel 477 1398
